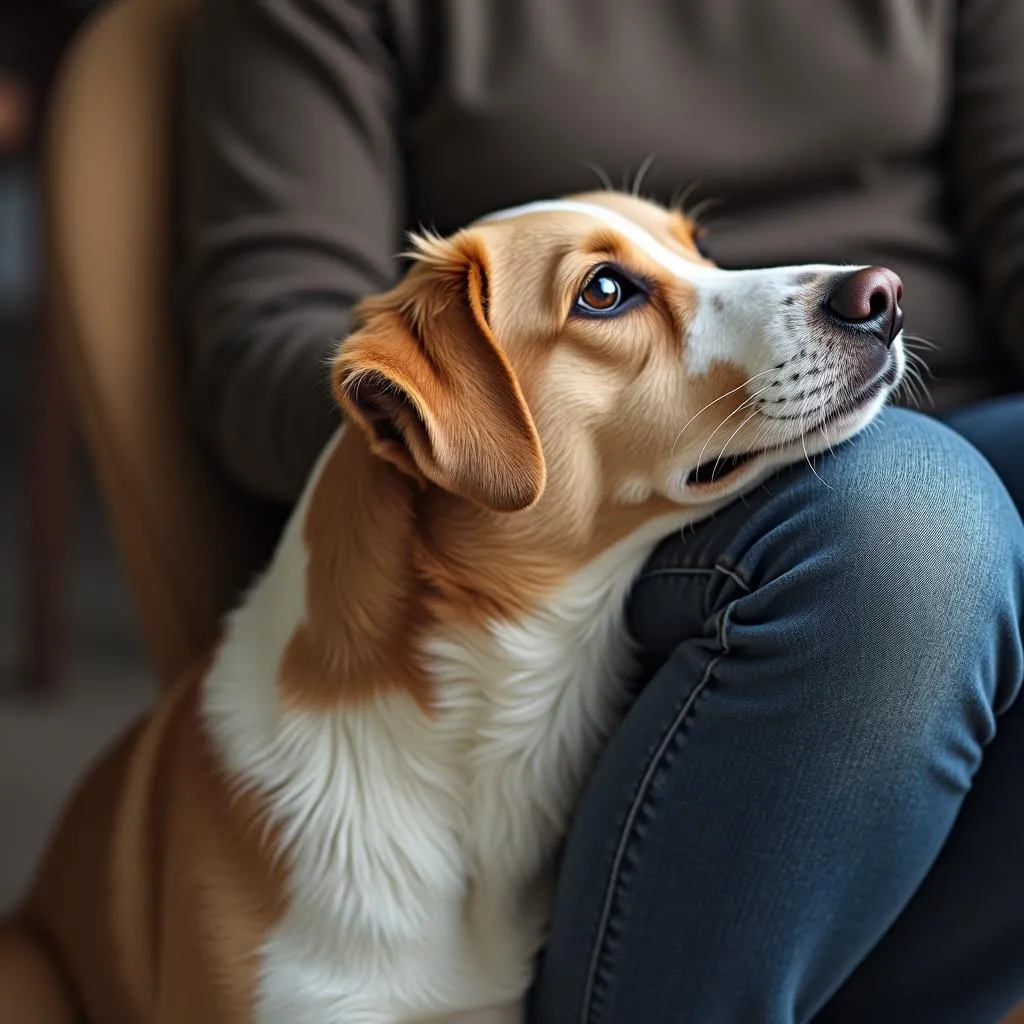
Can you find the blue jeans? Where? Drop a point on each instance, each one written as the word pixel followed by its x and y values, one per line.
pixel 814 809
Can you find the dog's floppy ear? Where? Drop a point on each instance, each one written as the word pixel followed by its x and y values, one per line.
pixel 425 378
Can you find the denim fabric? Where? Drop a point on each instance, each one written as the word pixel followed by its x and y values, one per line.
pixel 814 809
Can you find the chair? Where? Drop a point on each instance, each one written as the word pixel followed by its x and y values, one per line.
pixel 186 540
pixel 41 29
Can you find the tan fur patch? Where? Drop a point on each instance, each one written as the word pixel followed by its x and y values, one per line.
pixel 162 880
pixel 364 609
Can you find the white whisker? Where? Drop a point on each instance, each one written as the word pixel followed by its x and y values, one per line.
pixel 640 174
pixel 701 207
pixel 715 401
pixel 602 175
pixel 916 339
pixel 725 448
pixel 681 197
pixel 743 405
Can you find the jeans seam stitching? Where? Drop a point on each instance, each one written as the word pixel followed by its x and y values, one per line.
pixel 674 570
pixel 645 784
pixel 671 570
pixel 734 574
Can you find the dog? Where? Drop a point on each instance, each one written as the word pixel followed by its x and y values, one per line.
pixel 352 810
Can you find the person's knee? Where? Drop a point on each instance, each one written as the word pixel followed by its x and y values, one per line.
pixel 919 537
pixel 888 582
pixel 911 558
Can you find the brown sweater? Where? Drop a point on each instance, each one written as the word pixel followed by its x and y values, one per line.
pixel 868 131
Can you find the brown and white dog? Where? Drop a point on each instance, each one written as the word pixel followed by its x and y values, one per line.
pixel 351 813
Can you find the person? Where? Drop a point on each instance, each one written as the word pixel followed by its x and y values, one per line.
pixel 811 811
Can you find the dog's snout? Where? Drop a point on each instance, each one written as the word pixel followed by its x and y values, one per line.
pixel 870 298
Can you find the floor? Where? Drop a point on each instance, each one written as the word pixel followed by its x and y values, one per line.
pixel 44 746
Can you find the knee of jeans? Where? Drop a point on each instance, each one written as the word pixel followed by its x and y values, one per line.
pixel 885 588
pixel 911 560
pixel 921 527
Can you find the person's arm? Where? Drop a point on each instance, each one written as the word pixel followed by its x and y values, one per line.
pixel 294 202
pixel 988 156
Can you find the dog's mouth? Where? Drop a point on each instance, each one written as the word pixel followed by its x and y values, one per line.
pixel 722 467
pixel 714 470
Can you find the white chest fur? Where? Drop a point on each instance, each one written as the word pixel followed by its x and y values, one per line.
pixel 419 847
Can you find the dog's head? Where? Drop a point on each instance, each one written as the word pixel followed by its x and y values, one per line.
pixel 585 352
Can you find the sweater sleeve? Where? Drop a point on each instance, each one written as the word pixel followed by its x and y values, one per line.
pixel 293 203
pixel 988 159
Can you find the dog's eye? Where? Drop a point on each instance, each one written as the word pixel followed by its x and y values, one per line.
pixel 607 291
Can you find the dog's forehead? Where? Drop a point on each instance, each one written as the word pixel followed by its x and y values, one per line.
pixel 659 234
pixel 664 224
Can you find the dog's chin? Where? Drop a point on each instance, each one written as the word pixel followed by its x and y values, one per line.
pixel 728 474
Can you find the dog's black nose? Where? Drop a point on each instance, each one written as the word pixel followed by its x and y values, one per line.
pixel 869 297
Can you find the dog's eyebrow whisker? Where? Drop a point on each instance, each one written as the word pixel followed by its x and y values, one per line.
pixel 715 401
pixel 682 196
pixel 641 174
pixel 602 175
pixel 702 207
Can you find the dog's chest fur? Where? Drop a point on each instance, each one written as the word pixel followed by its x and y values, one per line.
pixel 419 848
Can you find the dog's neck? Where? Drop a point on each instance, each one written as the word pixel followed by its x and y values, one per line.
pixel 363 611
pixel 387 560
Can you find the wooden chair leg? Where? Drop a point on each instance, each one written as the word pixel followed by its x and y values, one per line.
pixel 48 527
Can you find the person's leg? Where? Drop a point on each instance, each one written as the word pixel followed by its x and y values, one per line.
pixel 996 429
pixel 959 944
pixel 834 650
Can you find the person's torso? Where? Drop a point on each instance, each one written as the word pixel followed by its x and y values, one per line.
pixel 816 127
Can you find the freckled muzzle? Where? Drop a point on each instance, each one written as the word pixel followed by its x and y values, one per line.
pixel 846 362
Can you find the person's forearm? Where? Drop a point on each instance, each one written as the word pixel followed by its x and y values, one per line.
pixel 293 200
pixel 263 400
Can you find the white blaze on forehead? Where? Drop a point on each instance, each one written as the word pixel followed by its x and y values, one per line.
pixel 640 237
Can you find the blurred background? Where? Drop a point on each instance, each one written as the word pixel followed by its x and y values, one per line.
pixel 71 664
